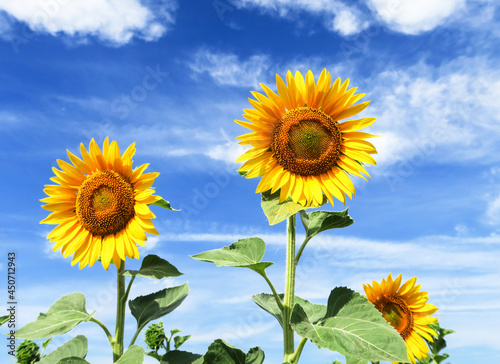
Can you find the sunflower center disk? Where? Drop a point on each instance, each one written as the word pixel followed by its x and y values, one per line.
pixel 306 141
pixel 397 313
pixel 105 203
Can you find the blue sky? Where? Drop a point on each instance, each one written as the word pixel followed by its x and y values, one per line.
pixel 172 76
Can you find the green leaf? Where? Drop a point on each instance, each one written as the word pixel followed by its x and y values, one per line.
pixel 62 316
pixel 275 211
pixel 181 357
pixel 134 355
pixel 154 267
pixel 4 319
pixel 46 343
pixel 156 305
pixel 76 347
pixel 267 302
pixel 73 360
pixel 164 204
pixel 245 253
pixel 174 331
pixel 318 221
pixel 255 356
pixel 352 326
pixel 351 360
pixel 220 352
pixel 154 355
pixel 179 340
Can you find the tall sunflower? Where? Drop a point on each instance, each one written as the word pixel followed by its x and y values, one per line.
pixel 100 205
pixel 299 144
pixel 407 310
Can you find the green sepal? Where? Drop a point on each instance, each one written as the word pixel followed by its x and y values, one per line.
pixel 164 204
pixel 220 352
pixel 134 355
pixel 245 253
pixel 267 302
pixel 435 346
pixel 352 326
pixel 318 221
pixel 243 173
pixel 154 267
pixel 76 347
pixel 67 312
pixel 275 211
pixel 155 305
pixel 181 357
pixel 179 340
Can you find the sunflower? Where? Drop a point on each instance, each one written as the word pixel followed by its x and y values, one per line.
pixel 407 310
pixel 100 205
pixel 298 144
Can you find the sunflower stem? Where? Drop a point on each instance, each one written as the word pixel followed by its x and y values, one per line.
pixel 301 249
pixel 289 290
pixel 106 331
pixel 120 312
pixel 296 355
pixel 275 294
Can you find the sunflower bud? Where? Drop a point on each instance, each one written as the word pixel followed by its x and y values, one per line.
pixel 27 352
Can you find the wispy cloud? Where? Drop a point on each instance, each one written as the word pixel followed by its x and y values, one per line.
pixel 228 69
pixel 444 114
pixel 336 15
pixel 112 21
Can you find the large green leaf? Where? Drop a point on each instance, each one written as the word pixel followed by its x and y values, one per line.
pixel 351 360
pixel 181 357
pixel 318 221
pixel 352 326
pixel 267 302
pixel 220 352
pixel 62 316
pixel 156 305
pixel 134 355
pixel 275 211
pixel 154 267
pixel 76 347
pixel 245 253
pixel 164 204
pixel 73 360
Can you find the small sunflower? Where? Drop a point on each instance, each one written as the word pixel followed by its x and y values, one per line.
pixel 298 144
pixel 407 310
pixel 100 205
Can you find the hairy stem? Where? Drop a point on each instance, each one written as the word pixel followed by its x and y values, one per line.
pixel 289 290
pixel 120 313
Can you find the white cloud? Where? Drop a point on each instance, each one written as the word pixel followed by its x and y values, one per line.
pixel 114 21
pixel 227 69
pixel 347 20
pixel 439 114
pixel 413 17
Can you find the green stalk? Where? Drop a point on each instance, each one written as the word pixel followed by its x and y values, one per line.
pixel 120 313
pixel 289 290
pixel 296 356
